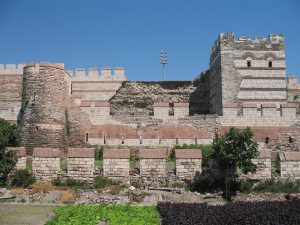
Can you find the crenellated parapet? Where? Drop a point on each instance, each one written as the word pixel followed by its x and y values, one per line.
pixel 9 69
pixel 256 114
pixel 106 74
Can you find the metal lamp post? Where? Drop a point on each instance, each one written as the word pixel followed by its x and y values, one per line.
pixel 164 60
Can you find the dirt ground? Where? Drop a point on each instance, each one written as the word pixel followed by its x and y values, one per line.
pixel 12 214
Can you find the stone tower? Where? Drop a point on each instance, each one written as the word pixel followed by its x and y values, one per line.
pixel 244 70
pixel 45 97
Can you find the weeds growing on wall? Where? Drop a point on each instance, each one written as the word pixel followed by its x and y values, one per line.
pixel 99 152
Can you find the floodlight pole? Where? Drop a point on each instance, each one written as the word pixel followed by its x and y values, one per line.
pixel 164 60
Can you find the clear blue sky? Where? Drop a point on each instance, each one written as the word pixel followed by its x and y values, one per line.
pixel 131 33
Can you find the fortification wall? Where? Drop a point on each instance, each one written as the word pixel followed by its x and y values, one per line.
pixel 11 81
pixel 90 85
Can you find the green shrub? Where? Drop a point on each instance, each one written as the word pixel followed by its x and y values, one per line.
pixel 101 182
pixel 99 152
pixel 8 159
pixel 22 178
pixel 272 185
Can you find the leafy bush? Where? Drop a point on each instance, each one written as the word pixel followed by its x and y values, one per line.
pixel 272 185
pixel 99 152
pixel 101 182
pixel 113 214
pixel 22 178
pixel 8 159
pixel 262 213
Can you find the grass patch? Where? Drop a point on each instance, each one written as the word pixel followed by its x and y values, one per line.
pixel 114 215
pixel 99 163
pixel 29 164
pixel 64 165
pixel 102 182
pixel 69 183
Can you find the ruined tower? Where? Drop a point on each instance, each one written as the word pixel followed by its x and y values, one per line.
pixel 45 97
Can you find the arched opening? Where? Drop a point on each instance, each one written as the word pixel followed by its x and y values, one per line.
pixel 248 63
pixel 270 64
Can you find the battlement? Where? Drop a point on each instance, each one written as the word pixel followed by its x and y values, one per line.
pixel 269 42
pixel 293 82
pixel 257 110
pixel 93 74
pixel 7 69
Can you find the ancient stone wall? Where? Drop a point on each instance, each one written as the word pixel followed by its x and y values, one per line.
pixel 116 162
pixel 255 114
pixel 45 163
pixel 188 163
pixel 11 81
pixel 138 98
pixel 81 163
pixel 152 163
pixel 263 165
pixel 289 165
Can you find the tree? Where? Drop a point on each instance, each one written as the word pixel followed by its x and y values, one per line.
pixel 235 150
pixel 8 159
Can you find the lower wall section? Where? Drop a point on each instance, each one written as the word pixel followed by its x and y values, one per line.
pixel 45 168
pixel 151 168
pixel 116 167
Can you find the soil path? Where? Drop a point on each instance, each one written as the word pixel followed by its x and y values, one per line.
pixel 11 214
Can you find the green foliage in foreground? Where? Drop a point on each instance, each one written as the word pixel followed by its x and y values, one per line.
pixel 115 215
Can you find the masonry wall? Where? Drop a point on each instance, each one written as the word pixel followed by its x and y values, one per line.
pixel 81 163
pixel 188 163
pixel 289 165
pixel 46 91
pixel 263 165
pixel 152 163
pixel 116 162
pixel 255 114
pixel 45 163
pixel 11 80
